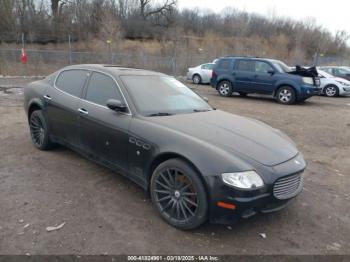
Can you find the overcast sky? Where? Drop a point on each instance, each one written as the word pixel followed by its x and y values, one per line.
pixel 333 15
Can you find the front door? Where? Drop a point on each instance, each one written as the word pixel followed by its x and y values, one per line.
pixel 264 78
pixel 104 132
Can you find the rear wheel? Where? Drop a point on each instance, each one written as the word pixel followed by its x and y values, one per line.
pixel 196 79
pixel 179 195
pixel 331 91
pixel 286 95
pixel 39 130
pixel 225 88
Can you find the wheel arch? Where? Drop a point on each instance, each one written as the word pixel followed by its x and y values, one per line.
pixel 157 160
pixel 222 80
pixel 34 105
pixel 286 84
pixel 330 84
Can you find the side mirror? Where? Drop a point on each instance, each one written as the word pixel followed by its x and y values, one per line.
pixel 271 72
pixel 206 99
pixel 116 105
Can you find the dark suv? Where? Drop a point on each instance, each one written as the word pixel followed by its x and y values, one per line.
pixel 264 76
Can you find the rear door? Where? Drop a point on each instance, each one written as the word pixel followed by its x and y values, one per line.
pixel 62 105
pixel 244 74
pixel 104 132
pixel 264 78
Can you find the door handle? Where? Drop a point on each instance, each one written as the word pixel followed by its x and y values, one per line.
pixel 83 111
pixel 47 97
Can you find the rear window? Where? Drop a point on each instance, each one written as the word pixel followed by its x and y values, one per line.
pixel 224 64
pixel 245 65
pixel 72 81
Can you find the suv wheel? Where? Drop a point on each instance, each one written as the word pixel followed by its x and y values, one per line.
pixel 196 79
pixel 179 195
pixel 331 91
pixel 286 95
pixel 225 88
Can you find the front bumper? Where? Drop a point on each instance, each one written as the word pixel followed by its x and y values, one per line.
pixel 309 90
pixel 250 202
pixel 344 91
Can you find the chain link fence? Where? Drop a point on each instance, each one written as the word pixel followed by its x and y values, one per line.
pixel 42 62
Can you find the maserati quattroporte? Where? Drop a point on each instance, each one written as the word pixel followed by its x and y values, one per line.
pixel 196 162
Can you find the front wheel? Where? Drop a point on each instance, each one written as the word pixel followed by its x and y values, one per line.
pixel 331 91
pixel 179 195
pixel 225 88
pixel 286 95
pixel 39 131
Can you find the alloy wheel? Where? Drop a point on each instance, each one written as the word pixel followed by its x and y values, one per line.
pixel 175 195
pixel 37 130
pixel 331 91
pixel 285 95
pixel 224 89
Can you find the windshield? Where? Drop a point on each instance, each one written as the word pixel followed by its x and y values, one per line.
pixel 281 67
pixel 162 95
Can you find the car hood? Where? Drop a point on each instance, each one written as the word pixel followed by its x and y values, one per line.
pixel 234 134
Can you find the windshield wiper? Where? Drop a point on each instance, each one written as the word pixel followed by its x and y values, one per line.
pixel 201 110
pixel 160 114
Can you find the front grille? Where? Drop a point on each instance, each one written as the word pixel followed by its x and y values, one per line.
pixel 288 186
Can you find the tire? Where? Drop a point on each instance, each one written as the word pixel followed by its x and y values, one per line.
pixel 285 95
pixel 39 131
pixel 242 94
pixel 331 91
pixel 225 88
pixel 196 79
pixel 179 195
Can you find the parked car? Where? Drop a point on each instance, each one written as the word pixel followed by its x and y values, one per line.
pixel 200 74
pixel 247 75
pixel 337 71
pixel 196 162
pixel 333 86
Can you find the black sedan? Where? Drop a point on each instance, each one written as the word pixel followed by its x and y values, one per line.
pixel 196 162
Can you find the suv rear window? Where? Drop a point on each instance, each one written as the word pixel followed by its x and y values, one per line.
pixel 245 65
pixel 224 64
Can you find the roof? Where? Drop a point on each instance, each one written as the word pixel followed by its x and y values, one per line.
pixel 115 70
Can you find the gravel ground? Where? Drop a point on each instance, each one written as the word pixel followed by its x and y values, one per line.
pixel 105 213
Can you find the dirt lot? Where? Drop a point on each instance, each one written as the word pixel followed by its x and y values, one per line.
pixel 105 213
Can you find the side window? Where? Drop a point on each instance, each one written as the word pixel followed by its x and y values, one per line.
pixel 210 66
pixel 262 67
pixel 207 66
pixel 101 88
pixel 245 65
pixel 224 64
pixel 72 81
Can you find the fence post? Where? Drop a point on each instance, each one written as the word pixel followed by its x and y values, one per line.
pixel 70 49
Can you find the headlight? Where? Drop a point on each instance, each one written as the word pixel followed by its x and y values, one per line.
pixel 342 83
pixel 243 180
pixel 308 80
